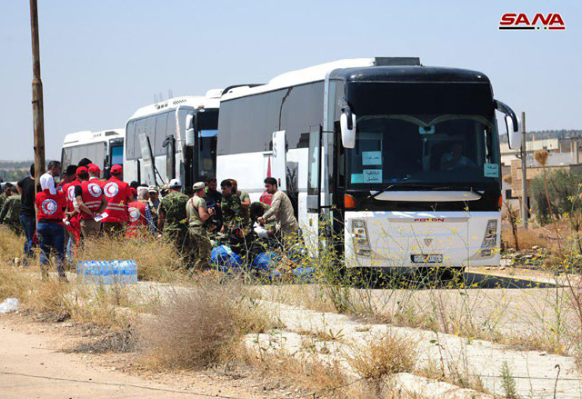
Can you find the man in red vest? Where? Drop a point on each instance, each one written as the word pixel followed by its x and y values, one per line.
pixel 50 232
pixel 73 225
pixel 91 203
pixel 95 174
pixel 140 216
pixel 118 195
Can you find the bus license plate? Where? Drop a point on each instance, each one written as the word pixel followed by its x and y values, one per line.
pixel 427 258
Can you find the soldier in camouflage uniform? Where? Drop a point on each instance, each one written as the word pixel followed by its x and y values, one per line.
pixel 173 221
pixel 232 215
pixel 282 213
pixel 234 226
pixel 5 194
pixel 10 214
pixel 198 216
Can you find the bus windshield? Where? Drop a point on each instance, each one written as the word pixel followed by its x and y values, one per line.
pixel 432 149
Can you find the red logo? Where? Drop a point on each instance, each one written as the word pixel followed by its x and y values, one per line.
pixel 424 220
pixel 94 190
pixel 111 190
pixel 49 206
pixel 134 214
pixel 538 21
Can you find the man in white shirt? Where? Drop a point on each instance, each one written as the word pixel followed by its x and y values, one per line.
pixel 455 159
pixel 47 180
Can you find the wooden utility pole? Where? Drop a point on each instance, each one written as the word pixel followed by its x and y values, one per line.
pixel 524 210
pixel 37 99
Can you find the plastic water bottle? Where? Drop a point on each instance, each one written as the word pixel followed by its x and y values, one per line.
pixel 133 272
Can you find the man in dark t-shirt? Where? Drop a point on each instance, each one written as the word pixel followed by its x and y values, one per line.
pixel 27 214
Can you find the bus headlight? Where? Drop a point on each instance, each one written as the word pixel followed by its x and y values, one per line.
pixel 360 238
pixel 490 239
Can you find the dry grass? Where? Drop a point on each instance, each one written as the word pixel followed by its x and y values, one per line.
pixel 117 342
pixel 201 327
pixel 383 356
pixel 527 239
pixel 10 245
pixel 13 283
pixel 157 260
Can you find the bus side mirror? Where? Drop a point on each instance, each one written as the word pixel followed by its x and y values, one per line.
pixel 512 125
pixel 190 136
pixel 347 125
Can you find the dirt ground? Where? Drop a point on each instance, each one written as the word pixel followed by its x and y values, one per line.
pixel 33 365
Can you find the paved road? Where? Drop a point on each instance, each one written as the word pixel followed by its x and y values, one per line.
pixel 29 369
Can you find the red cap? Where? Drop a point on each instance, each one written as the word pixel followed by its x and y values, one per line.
pixel 81 170
pixel 133 191
pixel 93 168
pixel 116 169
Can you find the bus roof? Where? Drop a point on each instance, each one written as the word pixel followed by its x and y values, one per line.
pixel 87 136
pixel 210 100
pixel 300 76
pixel 384 69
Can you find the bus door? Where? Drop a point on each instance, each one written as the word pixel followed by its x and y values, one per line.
pixel 115 156
pixel 314 190
pixel 206 128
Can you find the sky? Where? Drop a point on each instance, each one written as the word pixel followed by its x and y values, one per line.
pixel 102 60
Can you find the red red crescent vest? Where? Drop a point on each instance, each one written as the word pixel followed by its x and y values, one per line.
pixel 92 197
pixel 50 207
pixel 69 191
pixel 138 223
pixel 117 194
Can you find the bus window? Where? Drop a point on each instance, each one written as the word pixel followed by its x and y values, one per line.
pixel 117 155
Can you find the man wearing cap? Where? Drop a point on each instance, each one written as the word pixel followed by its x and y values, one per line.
pixel 118 195
pixel 173 221
pixel 72 225
pixel 91 203
pixel 154 204
pixel 198 215
pixel 95 174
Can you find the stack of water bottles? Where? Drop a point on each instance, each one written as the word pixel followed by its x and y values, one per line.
pixel 108 272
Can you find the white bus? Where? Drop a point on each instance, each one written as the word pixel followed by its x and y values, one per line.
pixel 399 159
pixel 173 139
pixel 104 148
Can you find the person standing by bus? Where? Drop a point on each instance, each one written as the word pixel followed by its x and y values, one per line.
pixel 95 174
pixel 213 199
pixel 140 217
pixel 282 212
pixel 50 231
pixel 118 195
pixel 173 220
pixel 245 200
pixel 91 203
pixel 154 204
pixel 72 223
pixel 25 188
pixel 198 216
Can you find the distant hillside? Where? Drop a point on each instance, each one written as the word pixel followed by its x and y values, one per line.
pixel 546 134
pixel 14 170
